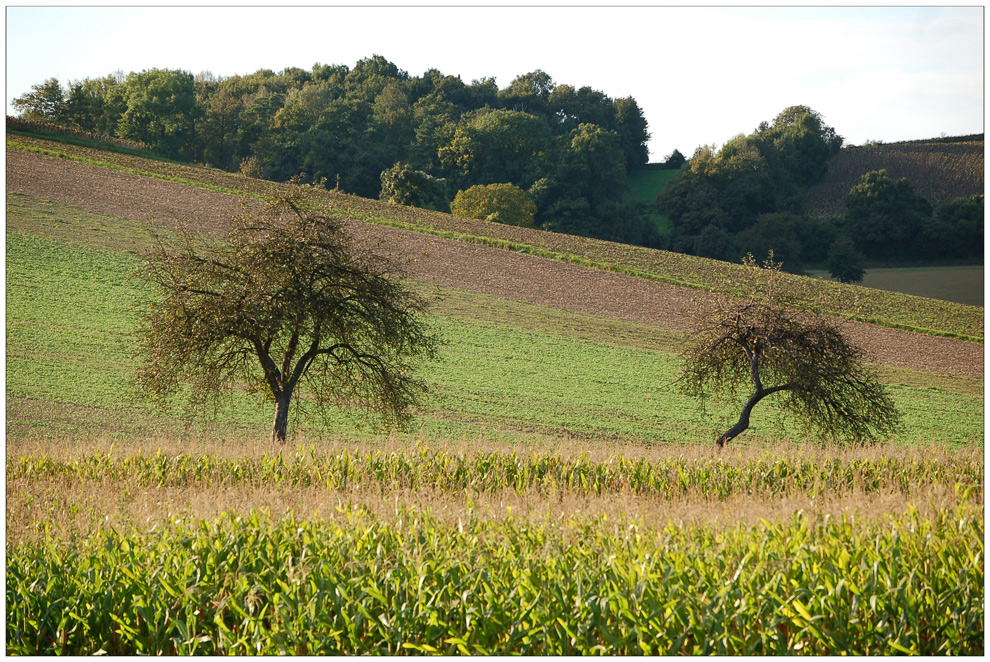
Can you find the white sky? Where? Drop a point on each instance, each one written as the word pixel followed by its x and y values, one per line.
pixel 701 74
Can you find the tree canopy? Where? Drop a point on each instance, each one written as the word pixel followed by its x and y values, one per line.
pixel 348 125
pixel 502 203
pixel 287 303
pixel 767 345
pixel 884 215
pixel 751 176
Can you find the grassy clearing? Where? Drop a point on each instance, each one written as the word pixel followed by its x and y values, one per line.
pixel 645 186
pixel 884 308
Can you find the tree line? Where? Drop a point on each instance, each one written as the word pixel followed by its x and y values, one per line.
pixel 375 131
pixel 746 198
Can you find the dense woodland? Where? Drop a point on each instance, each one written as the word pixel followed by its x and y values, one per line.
pixel 748 197
pixel 535 153
pixel 569 148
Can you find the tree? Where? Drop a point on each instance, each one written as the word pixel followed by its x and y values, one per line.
pixel 845 262
pixel 957 231
pixel 160 109
pixel 593 164
pixel 779 232
pixel 287 303
pixel 403 185
pixel 44 103
pixel 495 146
pixel 502 203
pixel 884 215
pixel 633 130
pixel 528 93
pixel 767 343
pixel 715 243
pixel 218 127
pixel 674 161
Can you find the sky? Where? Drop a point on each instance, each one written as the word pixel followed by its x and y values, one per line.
pixel 701 75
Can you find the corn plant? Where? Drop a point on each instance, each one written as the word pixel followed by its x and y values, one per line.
pixel 356 584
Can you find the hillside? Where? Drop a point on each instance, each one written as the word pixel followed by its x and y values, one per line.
pixel 888 309
pixel 638 285
pixel 941 170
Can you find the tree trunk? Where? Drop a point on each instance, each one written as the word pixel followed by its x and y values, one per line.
pixel 743 423
pixel 281 424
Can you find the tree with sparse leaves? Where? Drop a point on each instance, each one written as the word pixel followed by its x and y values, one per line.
pixel 766 344
pixel 288 303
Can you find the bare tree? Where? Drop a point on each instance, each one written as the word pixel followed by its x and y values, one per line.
pixel 768 344
pixel 287 301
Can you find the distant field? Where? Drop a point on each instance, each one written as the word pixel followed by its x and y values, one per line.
pixel 958 284
pixel 941 171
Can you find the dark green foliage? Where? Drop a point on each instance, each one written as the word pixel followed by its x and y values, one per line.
pixel 498 146
pixel 415 188
pixel 753 175
pixel 884 216
pixel 780 233
pixel 674 161
pixel 346 125
pixel 956 232
pixel 593 165
pixel 845 262
pixel 160 111
pixel 714 242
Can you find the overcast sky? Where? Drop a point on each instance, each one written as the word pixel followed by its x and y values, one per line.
pixel 701 74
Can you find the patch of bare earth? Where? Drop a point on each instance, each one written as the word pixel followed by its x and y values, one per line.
pixel 451 263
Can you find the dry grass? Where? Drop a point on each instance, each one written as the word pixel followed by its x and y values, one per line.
pixel 69 506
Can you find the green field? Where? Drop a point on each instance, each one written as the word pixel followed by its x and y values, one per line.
pixel 556 495
pixel 645 186
pixel 71 310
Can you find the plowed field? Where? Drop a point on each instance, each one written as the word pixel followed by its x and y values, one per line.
pixel 451 263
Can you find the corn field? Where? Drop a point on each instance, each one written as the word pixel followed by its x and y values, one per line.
pixel 408 580
pixel 354 584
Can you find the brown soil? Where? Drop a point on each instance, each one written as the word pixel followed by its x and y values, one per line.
pixel 451 263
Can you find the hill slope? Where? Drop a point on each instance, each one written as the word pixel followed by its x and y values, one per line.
pixel 885 308
pixel 940 170
pixel 448 263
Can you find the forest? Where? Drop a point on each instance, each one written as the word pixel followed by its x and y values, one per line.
pixel 535 153
pixel 431 136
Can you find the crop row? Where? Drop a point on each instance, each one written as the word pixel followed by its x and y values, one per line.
pixel 355 584
pixel 708 478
